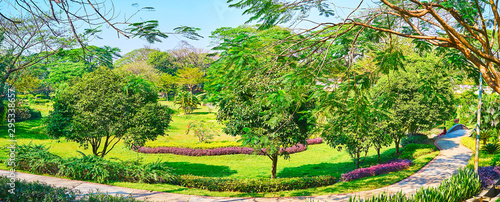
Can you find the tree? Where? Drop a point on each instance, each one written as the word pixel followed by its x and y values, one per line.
pixel 269 113
pixel 186 101
pixel 103 108
pixel 162 61
pixel 141 69
pixel 351 121
pixel 137 55
pixel 419 96
pixel 190 76
pixel 166 82
pixel 470 27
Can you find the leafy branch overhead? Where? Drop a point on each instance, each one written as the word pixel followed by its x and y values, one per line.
pixel 471 27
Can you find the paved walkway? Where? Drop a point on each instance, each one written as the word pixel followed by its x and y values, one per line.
pixel 452 156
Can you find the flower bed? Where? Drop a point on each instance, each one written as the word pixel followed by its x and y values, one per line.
pixel 379 169
pixel 222 151
pixel 487 175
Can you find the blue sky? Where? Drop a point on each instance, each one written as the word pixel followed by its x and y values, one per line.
pixel 207 15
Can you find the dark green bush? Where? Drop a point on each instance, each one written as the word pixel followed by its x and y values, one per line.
pixel 34 191
pixel 414 139
pixel 411 151
pixel 37 159
pixel 254 185
pixel 40 101
pixel 35 114
pixel 41 96
pixel 41 192
pixel 491 148
pixel 90 168
pixel 459 187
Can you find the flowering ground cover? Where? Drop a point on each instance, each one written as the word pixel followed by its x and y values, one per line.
pixel 392 166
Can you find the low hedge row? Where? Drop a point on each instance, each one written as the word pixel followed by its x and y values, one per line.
pixel 461 186
pixel 254 185
pixel 222 151
pixel 379 169
pixel 38 191
pixel 202 145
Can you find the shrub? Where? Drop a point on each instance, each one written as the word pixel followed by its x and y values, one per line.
pixel 414 139
pixel 213 152
pixel 35 114
pixel 37 159
pixel 39 191
pixel 459 187
pixel 487 175
pixel 255 185
pixel 40 101
pixel 412 151
pixel 379 169
pixel 491 148
pixel 317 140
pixel 90 168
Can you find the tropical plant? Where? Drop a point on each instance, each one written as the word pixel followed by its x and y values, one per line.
pixel 186 101
pixel 491 148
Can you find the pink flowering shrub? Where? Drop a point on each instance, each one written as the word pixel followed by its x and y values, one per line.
pixel 222 151
pixel 392 166
pixel 488 175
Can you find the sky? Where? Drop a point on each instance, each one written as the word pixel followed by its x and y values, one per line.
pixel 207 15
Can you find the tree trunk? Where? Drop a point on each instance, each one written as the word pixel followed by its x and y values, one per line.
pixel 275 164
pixel 397 145
pixel 378 154
pixel 357 158
pixel 106 143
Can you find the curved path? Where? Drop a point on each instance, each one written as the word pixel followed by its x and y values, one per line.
pixel 452 156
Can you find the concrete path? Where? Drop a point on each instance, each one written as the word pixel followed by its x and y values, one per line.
pixel 452 156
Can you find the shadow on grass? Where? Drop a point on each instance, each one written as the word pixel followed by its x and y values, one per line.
pixel 200 113
pixel 335 169
pixel 29 129
pixel 197 169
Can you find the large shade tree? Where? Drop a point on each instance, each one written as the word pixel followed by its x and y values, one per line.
pixel 103 108
pixel 469 27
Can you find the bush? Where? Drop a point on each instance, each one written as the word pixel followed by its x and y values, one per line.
pixel 414 139
pixel 379 169
pixel 37 159
pixel 34 191
pixel 39 191
pixel 459 187
pixel 488 175
pixel 412 151
pixel 491 148
pixel 255 185
pixel 223 150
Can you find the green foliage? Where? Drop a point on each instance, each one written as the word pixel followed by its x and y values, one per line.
pixel 198 145
pixel 419 96
pixel 41 192
pixel 255 185
pixel 186 101
pixel 459 187
pixel 162 61
pixel 414 139
pixel 412 151
pixel 104 108
pixel 267 104
pixel 37 159
pixel 190 76
pixel 202 130
pixel 34 191
pixel 491 148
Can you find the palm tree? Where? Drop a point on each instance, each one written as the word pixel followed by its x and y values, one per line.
pixel 187 101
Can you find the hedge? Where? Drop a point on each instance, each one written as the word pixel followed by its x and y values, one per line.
pixel 254 185
pixel 222 151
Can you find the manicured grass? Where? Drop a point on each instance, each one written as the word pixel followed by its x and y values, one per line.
pixel 315 161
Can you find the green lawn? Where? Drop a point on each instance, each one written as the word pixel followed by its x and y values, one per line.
pixel 316 160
